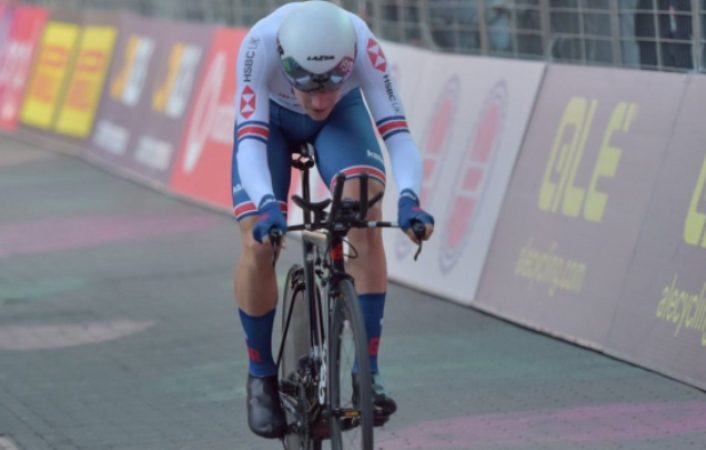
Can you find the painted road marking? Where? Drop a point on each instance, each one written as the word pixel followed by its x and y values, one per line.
pixel 44 337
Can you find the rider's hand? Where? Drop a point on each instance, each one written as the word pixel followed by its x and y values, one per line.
pixel 409 212
pixel 269 217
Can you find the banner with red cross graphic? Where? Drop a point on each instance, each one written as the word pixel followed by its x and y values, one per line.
pixel 203 167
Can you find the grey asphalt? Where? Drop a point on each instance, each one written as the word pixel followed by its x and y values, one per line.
pixel 118 331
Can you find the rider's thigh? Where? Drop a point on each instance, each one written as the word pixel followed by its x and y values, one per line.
pixel 347 143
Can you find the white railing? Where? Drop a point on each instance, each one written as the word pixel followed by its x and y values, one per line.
pixel 628 33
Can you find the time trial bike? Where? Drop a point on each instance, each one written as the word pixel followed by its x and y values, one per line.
pixel 324 375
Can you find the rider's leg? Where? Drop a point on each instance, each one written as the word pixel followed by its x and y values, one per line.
pixel 369 269
pixel 255 290
pixel 256 295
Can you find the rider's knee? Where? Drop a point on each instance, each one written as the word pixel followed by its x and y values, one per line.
pixel 253 251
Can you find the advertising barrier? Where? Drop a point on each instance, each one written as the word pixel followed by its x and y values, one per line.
pixel 125 100
pixel 578 199
pixel 149 89
pixel 660 320
pixel 85 85
pixel 50 74
pixel 16 52
pixel 470 118
pixel 68 74
pixel 203 167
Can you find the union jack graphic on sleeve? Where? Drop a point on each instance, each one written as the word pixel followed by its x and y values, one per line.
pixel 252 130
pixel 392 125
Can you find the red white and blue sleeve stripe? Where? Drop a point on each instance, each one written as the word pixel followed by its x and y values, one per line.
pixel 390 126
pixel 252 130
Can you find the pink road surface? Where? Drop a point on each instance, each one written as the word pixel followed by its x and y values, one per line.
pixel 72 233
pixel 579 425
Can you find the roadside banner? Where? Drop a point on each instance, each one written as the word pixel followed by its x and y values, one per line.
pixel 68 74
pixel 149 89
pixel 85 84
pixel 16 53
pixel 203 167
pixel 50 73
pixel 469 124
pixel 660 322
pixel 125 97
pixel 578 198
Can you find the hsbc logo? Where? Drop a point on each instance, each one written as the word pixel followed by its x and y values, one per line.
pixel 248 102
pixel 472 177
pixel 376 55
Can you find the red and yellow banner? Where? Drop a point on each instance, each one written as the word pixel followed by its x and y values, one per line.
pixel 203 167
pixel 86 84
pixel 51 71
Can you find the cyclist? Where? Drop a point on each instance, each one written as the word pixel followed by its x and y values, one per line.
pixel 302 72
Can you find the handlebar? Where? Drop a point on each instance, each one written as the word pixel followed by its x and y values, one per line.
pixel 343 215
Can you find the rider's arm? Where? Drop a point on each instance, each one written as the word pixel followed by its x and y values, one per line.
pixel 252 117
pixel 385 103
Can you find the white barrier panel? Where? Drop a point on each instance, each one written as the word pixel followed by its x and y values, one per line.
pixel 468 116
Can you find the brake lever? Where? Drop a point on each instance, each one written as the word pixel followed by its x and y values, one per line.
pixel 275 236
pixel 419 230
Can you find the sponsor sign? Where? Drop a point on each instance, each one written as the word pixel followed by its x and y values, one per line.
pixel 470 123
pixel 124 98
pixel 68 74
pixel 578 198
pixel 85 85
pixel 660 321
pixel 50 74
pixel 147 97
pixel 16 55
pixel 203 167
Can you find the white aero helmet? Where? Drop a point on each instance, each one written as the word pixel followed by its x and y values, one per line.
pixel 317 45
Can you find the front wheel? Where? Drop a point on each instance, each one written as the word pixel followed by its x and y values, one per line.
pixel 351 413
pixel 294 386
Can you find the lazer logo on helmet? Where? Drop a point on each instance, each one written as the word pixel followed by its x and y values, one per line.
pixel 321 58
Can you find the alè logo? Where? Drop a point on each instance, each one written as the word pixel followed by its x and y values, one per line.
pixel 695 226
pixel 559 193
pixel 210 120
pixel 173 95
pixel 128 84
